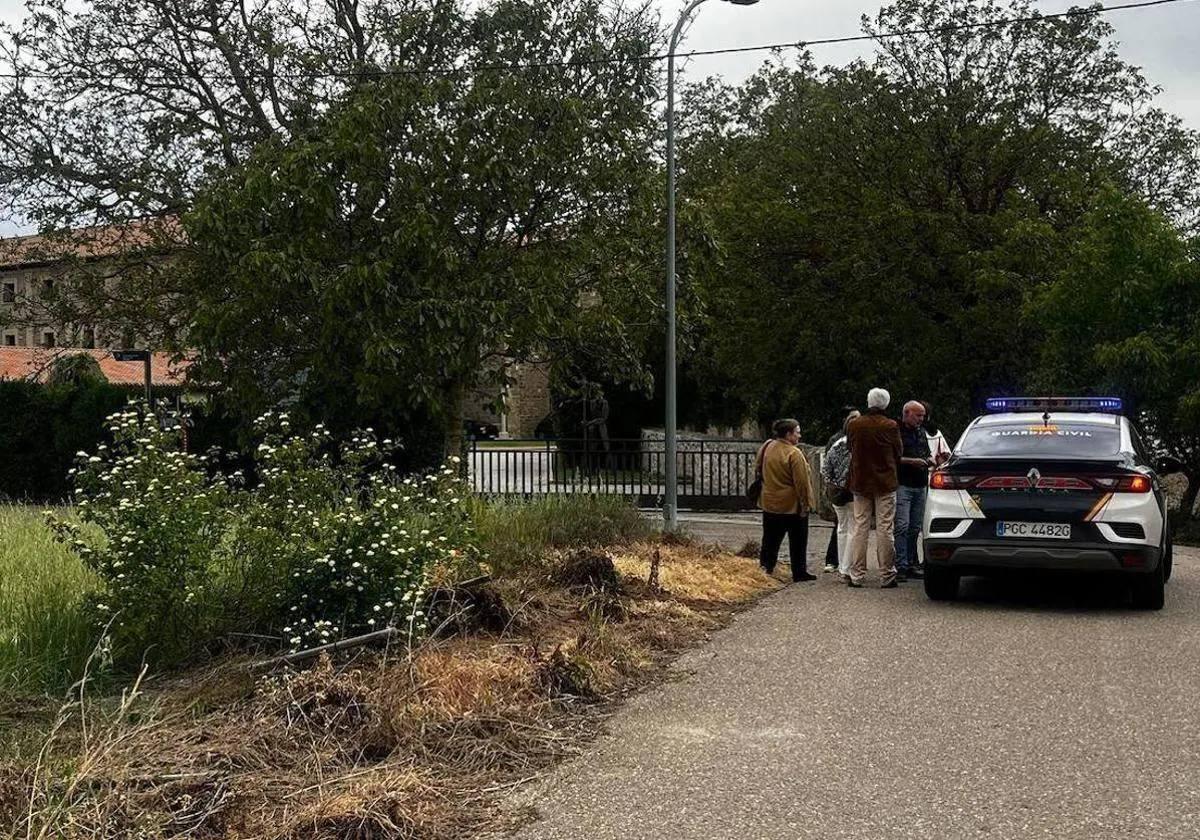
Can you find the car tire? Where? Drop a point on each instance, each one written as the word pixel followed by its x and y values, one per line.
pixel 941 585
pixel 1148 590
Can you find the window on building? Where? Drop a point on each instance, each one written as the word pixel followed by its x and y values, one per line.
pixel 10 293
pixel 10 340
pixel 47 339
pixel 89 338
pixel 47 287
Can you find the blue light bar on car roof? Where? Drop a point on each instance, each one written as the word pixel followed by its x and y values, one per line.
pixel 1111 405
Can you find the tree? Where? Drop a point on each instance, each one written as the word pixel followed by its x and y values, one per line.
pixel 1123 315
pixel 428 229
pixel 112 112
pixel 885 223
pixel 117 110
pixel 375 208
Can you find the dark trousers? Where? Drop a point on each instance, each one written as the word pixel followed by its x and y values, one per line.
pixel 775 527
pixel 831 555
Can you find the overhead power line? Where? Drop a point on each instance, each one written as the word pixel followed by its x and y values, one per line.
pixel 649 58
pixel 938 30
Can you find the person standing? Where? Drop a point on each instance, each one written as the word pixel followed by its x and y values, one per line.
pixel 916 459
pixel 874 457
pixel 938 446
pixel 835 471
pixel 786 499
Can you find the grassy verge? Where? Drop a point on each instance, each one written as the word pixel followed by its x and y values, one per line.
pixel 413 743
pixel 515 535
pixel 44 635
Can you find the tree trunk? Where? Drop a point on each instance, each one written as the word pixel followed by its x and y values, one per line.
pixel 453 414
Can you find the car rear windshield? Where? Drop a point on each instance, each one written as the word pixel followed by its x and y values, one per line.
pixel 1056 440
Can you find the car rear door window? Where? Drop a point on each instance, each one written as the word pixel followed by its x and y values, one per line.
pixel 1056 439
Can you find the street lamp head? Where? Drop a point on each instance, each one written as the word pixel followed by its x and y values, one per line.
pixel 742 2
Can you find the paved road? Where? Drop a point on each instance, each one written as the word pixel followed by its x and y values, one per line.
pixel 1024 711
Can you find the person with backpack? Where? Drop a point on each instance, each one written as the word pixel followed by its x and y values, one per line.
pixel 835 472
pixel 785 497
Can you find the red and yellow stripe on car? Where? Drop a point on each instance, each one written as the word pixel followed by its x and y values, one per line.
pixel 1101 503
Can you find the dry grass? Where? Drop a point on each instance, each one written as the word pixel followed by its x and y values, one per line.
pixel 705 576
pixel 393 744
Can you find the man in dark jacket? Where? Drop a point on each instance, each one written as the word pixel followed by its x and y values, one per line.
pixel 915 463
pixel 875 450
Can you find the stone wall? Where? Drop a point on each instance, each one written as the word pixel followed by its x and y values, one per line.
pixel 528 399
pixel 526 404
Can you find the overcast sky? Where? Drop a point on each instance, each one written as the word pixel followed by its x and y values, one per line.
pixel 1161 40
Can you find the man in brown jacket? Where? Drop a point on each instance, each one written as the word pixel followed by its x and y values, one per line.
pixel 787 497
pixel 875 450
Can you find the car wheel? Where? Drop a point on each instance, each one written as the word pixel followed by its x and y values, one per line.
pixel 941 585
pixel 1148 591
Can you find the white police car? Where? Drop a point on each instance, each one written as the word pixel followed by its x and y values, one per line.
pixel 1058 483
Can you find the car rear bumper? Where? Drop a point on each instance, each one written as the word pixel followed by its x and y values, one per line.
pixel 986 556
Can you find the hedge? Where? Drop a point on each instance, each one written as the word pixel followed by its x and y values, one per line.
pixel 41 429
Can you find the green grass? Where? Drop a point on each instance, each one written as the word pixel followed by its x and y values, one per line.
pixel 516 534
pixel 44 636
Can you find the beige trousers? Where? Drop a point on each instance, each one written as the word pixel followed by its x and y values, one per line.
pixel 883 508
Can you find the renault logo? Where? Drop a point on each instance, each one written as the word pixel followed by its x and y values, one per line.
pixel 1034 477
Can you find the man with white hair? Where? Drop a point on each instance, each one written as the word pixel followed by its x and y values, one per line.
pixel 875 450
pixel 915 463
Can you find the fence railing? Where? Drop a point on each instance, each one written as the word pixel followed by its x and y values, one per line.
pixel 712 473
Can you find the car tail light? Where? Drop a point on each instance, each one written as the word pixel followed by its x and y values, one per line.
pixel 950 481
pixel 1063 484
pixel 1124 483
pixel 1004 482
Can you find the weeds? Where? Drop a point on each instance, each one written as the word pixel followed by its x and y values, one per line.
pixel 406 743
pixel 515 535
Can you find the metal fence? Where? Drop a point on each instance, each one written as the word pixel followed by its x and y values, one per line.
pixel 712 474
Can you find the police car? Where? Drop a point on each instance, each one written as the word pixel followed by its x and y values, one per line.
pixel 1057 483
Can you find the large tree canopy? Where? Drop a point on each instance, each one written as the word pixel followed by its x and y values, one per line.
pixel 429 228
pixel 886 223
pixel 383 202
pixel 111 109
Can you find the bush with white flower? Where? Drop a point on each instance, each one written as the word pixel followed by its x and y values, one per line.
pixel 328 541
pixel 159 518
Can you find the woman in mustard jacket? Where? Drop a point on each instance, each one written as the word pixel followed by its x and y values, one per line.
pixel 786 499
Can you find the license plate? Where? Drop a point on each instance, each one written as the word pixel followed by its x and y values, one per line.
pixel 1035 530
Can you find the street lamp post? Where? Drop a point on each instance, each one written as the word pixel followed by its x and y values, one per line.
pixel 671 507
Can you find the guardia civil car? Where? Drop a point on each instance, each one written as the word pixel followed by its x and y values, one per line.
pixel 1055 483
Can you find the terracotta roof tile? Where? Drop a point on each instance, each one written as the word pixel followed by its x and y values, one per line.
pixel 88 243
pixel 34 363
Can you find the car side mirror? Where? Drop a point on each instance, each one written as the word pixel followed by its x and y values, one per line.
pixel 1166 465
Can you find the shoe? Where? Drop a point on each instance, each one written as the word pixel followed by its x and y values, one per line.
pixel 829 567
pixel 894 583
pixel 805 578
pixel 850 583
pixel 915 574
